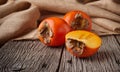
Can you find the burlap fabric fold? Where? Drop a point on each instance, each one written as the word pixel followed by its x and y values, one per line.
pixel 16 19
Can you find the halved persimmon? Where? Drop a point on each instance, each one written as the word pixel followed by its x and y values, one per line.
pixel 78 20
pixel 82 43
pixel 52 31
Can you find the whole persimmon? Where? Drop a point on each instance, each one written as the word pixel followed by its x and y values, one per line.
pixel 81 43
pixel 52 31
pixel 78 20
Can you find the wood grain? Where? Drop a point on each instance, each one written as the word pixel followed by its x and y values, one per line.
pixel 33 56
pixel 107 59
pixel 29 56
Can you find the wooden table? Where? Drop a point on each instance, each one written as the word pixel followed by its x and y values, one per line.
pixel 33 56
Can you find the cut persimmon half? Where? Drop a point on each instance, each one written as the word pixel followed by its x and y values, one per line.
pixel 82 43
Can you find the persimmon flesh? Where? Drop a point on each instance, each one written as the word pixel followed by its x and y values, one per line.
pixel 82 43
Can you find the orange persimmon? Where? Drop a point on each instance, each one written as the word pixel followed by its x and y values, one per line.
pixel 52 31
pixel 78 20
pixel 81 43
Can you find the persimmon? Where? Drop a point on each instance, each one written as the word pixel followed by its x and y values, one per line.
pixel 81 43
pixel 52 31
pixel 78 20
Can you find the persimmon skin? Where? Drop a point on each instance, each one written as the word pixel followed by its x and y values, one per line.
pixel 83 36
pixel 86 53
pixel 70 17
pixel 59 29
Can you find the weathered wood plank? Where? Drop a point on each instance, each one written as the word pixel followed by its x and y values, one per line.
pixel 107 59
pixel 29 56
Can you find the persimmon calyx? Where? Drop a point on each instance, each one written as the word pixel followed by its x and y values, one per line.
pixel 46 33
pixel 76 46
pixel 79 22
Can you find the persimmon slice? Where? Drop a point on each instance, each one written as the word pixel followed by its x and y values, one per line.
pixel 82 43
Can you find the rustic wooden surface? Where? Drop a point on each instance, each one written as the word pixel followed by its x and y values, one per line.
pixel 33 56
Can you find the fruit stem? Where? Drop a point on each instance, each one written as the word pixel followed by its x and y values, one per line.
pixel 76 46
pixel 46 33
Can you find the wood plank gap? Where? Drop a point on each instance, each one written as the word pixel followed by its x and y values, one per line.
pixel 57 70
pixel 117 39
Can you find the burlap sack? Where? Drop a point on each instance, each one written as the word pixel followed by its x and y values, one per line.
pixel 18 17
pixel 111 5
pixel 107 9
pixel 63 6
